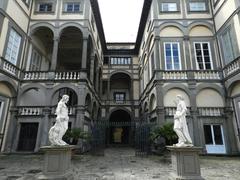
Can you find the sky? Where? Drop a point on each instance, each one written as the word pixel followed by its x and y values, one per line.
pixel 120 19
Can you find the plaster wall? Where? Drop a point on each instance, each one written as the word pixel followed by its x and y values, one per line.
pixel 236 90
pixel 4 90
pixel 209 98
pixel 170 97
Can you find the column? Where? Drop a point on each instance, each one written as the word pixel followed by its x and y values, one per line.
pixel 197 135
pixel 55 53
pixel 45 126
pixel 108 89
pixel 187 53
pixel 79 121
pixel 156 53
pixel 84 54
pixel 12 129
pixel 97 80
pixel 92 69
pixel 160 105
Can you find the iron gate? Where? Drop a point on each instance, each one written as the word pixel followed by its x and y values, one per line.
pixel 132 134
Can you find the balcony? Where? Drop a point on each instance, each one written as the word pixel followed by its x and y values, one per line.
pixel 38 110
pixel 120 103
pixel 9 68
pixel 232 68
pixel 191 74
pixel 48 75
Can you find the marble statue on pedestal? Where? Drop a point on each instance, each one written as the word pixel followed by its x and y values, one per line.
pixel 180 124
pixel 60 127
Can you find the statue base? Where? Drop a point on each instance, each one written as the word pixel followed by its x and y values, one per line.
pixel 57 163
pixel 185 163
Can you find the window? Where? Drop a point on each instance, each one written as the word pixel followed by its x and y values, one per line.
pixel 197 6
pixel 45 7
pixel 72 7
pixel 13 46
pixel 203 55
pixel 213 134
pixel 35 61
pixel 227 43
pixel 27 2
pixel 120 60
pixel 172 56
pixel 169 7
pixel 119 97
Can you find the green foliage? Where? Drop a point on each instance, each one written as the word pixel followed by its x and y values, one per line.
pixel 72 136
pixel 165 131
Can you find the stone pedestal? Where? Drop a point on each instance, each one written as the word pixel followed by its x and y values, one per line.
pixel 57 162
pixel 185 163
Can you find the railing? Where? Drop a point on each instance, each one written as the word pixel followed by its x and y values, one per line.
pixel 191 74
pixel 206 75
pixel 210 111
pixel 9 67
pixel 124 102
pixel 70 75
pixel 71 110
pixel 174 75
pixel 231 68
pixel 30 111
pixel 170 111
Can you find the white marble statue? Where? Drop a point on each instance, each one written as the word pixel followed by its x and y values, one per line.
pixel 60 127
pixel 180 124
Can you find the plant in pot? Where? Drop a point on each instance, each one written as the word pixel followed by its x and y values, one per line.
pixel 162 136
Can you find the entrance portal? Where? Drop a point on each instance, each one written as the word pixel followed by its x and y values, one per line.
pixel 120 127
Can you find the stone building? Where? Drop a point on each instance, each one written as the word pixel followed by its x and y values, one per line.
pixel 53 47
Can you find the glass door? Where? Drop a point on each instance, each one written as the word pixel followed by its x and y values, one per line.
pixel 214 139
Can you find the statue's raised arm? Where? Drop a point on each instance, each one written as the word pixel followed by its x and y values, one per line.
pixel 60 127
pixel 180 123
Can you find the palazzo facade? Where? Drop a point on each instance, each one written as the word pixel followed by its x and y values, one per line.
pixel 53 47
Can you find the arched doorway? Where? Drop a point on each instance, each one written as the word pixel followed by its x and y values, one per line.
pixel 120 128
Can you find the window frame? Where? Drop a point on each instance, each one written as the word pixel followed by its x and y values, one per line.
pixel 31 61
pixel 210 54
pixel 20 46
pixel 64 7
pixel 37 5
pixel 119 101
pixel 161 2
pixel 27 2
pixel 179 54
pixel 198 11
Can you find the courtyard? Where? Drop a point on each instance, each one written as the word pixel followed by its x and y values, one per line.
pixel 118 164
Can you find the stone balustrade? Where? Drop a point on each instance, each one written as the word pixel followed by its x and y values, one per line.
pixel 210 111
pixel 174 75
pixel 9 67
pixel 71 75
pixel 207 75
pixel 231 68
pixel 30 111
pixel 71 110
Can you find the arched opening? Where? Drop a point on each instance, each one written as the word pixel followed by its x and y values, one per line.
pixel 88 103
pixel 89 54
pixel 120 85
pixel 73 98
pixel 119 132
pixel 70 49
pixel 40 49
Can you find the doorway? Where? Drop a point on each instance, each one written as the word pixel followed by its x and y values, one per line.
pixel 120 128
pixel 28 137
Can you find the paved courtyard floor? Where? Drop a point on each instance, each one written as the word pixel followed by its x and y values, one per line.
pixel 118 164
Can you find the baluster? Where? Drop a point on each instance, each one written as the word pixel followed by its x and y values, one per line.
pixel 67 75
pixel 78 75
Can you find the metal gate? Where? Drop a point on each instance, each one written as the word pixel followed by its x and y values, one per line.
pixel 130 134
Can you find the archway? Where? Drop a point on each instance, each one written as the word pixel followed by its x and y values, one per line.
pixel 70 49
pixel 119 132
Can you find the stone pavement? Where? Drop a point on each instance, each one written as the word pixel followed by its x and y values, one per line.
pixel 118 164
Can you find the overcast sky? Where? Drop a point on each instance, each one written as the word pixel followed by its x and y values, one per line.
pixel 120 19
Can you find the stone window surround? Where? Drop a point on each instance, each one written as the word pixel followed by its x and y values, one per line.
pixel 228 26
pixel 3 110
pixel 38 2
pixel 11 25
pixel 197 12
pixel 1 21
pixel 169 1
pixel 72 1
pixel 210 40
pixel 181 55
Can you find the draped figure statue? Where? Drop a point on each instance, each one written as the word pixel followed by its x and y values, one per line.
pixel 180 124
pixel 60 127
